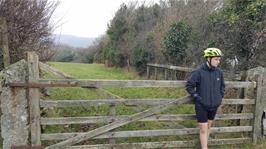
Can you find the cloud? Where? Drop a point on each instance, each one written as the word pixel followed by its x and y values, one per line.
pixel 85 18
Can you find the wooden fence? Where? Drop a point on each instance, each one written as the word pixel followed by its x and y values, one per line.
pixel 69 140
pixel 170 72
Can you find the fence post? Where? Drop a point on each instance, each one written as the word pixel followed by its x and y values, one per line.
pixel 174 74
pixel 34 99
pixel 257 125
pixel 148 71
pixel 156 73
pixel 4 42
pixel 165 73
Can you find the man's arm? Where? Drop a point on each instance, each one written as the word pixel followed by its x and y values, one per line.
pixel 192 83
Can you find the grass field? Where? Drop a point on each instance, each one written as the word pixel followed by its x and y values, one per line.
pixel 99 71
pixel 93 71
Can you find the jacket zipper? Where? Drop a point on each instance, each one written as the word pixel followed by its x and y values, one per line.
pixel 211 85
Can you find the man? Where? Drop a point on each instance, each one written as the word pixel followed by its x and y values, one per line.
pixel 206 86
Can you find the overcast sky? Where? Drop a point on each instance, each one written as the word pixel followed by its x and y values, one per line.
pixel 86 18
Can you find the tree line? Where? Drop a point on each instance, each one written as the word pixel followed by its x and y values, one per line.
pixel 176 32
pixel 171 32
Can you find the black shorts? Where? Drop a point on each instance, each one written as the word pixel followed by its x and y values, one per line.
pixel 204 114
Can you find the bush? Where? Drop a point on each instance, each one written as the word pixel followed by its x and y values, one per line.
pixel 140 58
pixel 176 42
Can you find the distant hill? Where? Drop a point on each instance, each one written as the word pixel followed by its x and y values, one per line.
pixel 73 41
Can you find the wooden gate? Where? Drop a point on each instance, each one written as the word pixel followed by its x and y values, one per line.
pixel 69 140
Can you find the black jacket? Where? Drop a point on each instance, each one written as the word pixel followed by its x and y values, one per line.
pixel 206 86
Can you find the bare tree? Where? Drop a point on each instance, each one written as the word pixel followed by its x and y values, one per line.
pixel 28 26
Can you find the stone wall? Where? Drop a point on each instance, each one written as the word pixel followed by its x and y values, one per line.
pixel 14 118
pixel 252 75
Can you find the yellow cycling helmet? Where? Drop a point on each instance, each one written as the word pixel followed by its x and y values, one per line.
pixel 212 52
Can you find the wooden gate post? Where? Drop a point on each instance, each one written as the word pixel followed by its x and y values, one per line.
pixel 34 99
pixel 257 126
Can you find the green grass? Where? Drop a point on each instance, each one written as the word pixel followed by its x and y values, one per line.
pixel 99 71
pixel 93 71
